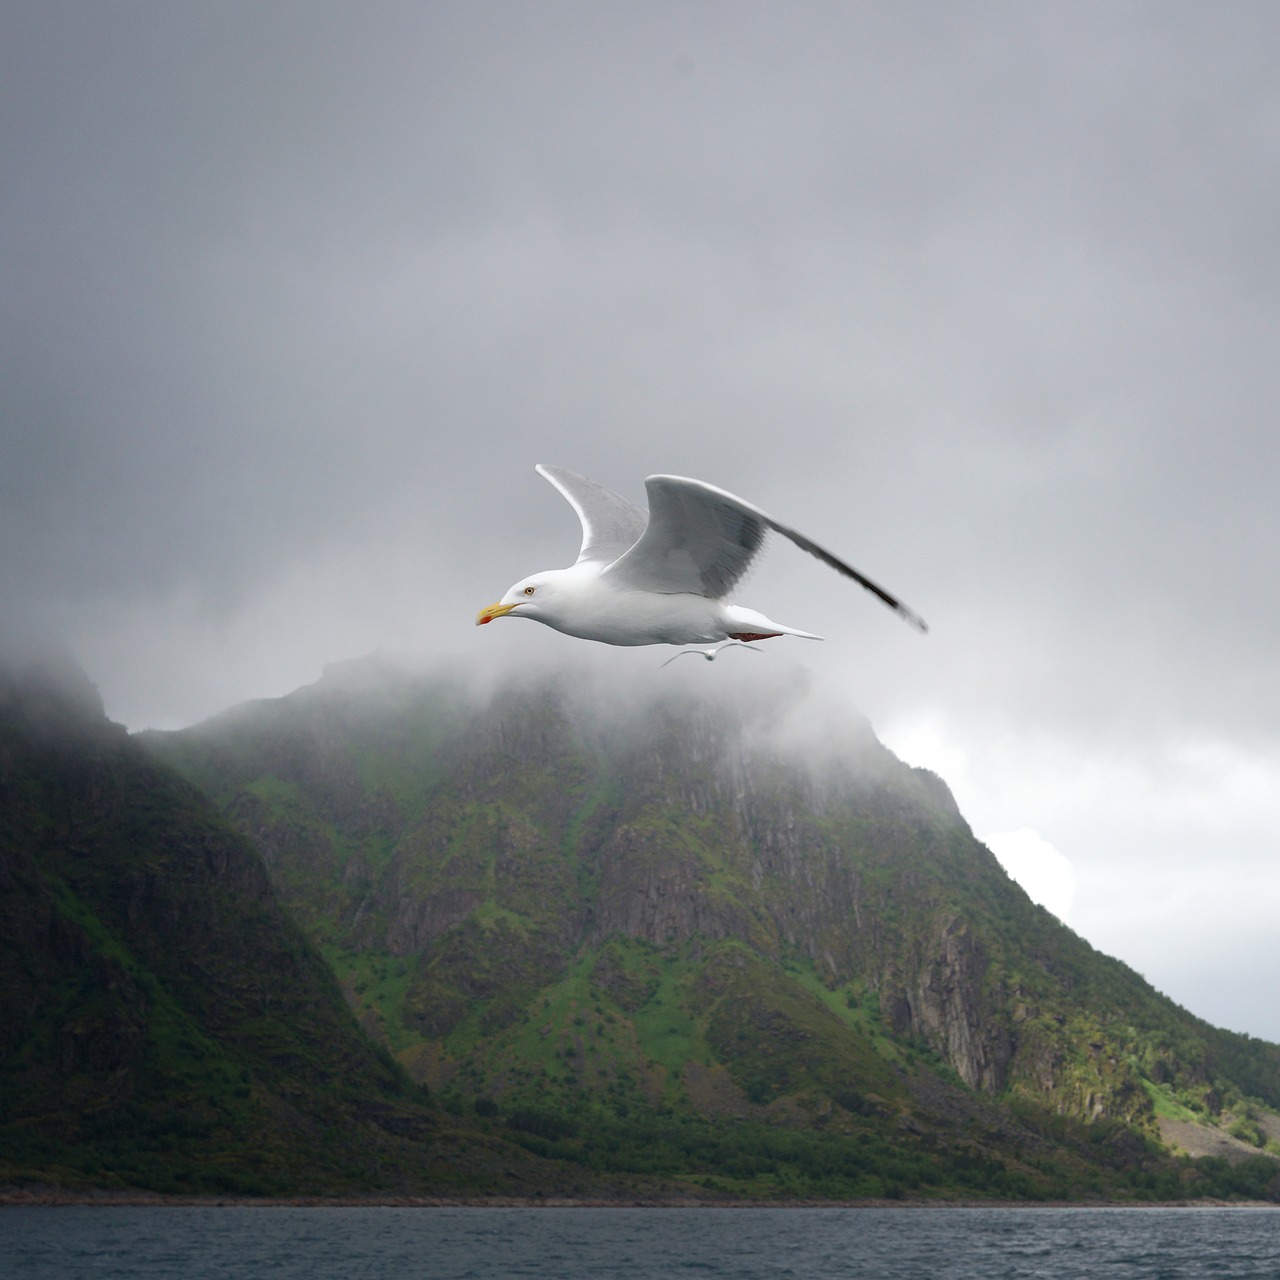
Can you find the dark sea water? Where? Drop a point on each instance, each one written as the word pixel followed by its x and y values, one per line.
pixel 596 1244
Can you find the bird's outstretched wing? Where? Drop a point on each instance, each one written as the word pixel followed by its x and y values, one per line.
pixel 610 524
pixel 702 540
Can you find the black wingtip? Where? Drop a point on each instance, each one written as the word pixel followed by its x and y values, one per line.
pixel 909 616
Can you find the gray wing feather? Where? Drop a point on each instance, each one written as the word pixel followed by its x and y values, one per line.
pixel 610 524
pixel 702 540
pixel 699 540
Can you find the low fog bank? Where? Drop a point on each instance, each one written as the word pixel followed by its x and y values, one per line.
pixel 776 704
pixel 754 711
pixel 754 708
pixel 44 684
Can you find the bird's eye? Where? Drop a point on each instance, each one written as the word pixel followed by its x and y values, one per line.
pixel 529 591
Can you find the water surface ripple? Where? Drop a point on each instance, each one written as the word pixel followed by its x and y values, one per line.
pixel 38 1243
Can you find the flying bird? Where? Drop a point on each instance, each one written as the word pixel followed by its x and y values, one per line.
pixel 662 578
pixel 713 652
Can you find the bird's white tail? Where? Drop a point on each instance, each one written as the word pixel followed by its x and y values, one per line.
pixel 747 624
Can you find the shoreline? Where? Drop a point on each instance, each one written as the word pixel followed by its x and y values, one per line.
pixel 53 1197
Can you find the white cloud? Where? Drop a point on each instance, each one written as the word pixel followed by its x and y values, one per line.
pixel 1038 867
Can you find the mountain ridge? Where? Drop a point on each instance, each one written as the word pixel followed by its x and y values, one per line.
pixel 472 861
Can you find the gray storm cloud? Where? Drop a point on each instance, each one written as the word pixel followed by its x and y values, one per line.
pixel 981 296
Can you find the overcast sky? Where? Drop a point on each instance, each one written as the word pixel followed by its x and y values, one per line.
pixel 982 296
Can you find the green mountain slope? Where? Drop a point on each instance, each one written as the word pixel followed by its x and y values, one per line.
pixel 163 1023
pixel 705 922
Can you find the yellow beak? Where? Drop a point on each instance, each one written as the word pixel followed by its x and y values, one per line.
pixel 493 611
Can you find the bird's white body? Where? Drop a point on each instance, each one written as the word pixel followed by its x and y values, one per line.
pixel 584 601
pixel 660 578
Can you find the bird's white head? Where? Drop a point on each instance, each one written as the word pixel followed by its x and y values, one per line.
pixel 534 597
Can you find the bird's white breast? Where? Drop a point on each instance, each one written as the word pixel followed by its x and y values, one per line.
pixel 591 607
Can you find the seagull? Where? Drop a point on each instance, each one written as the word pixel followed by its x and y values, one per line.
pixel 662 578
pixel 713 652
